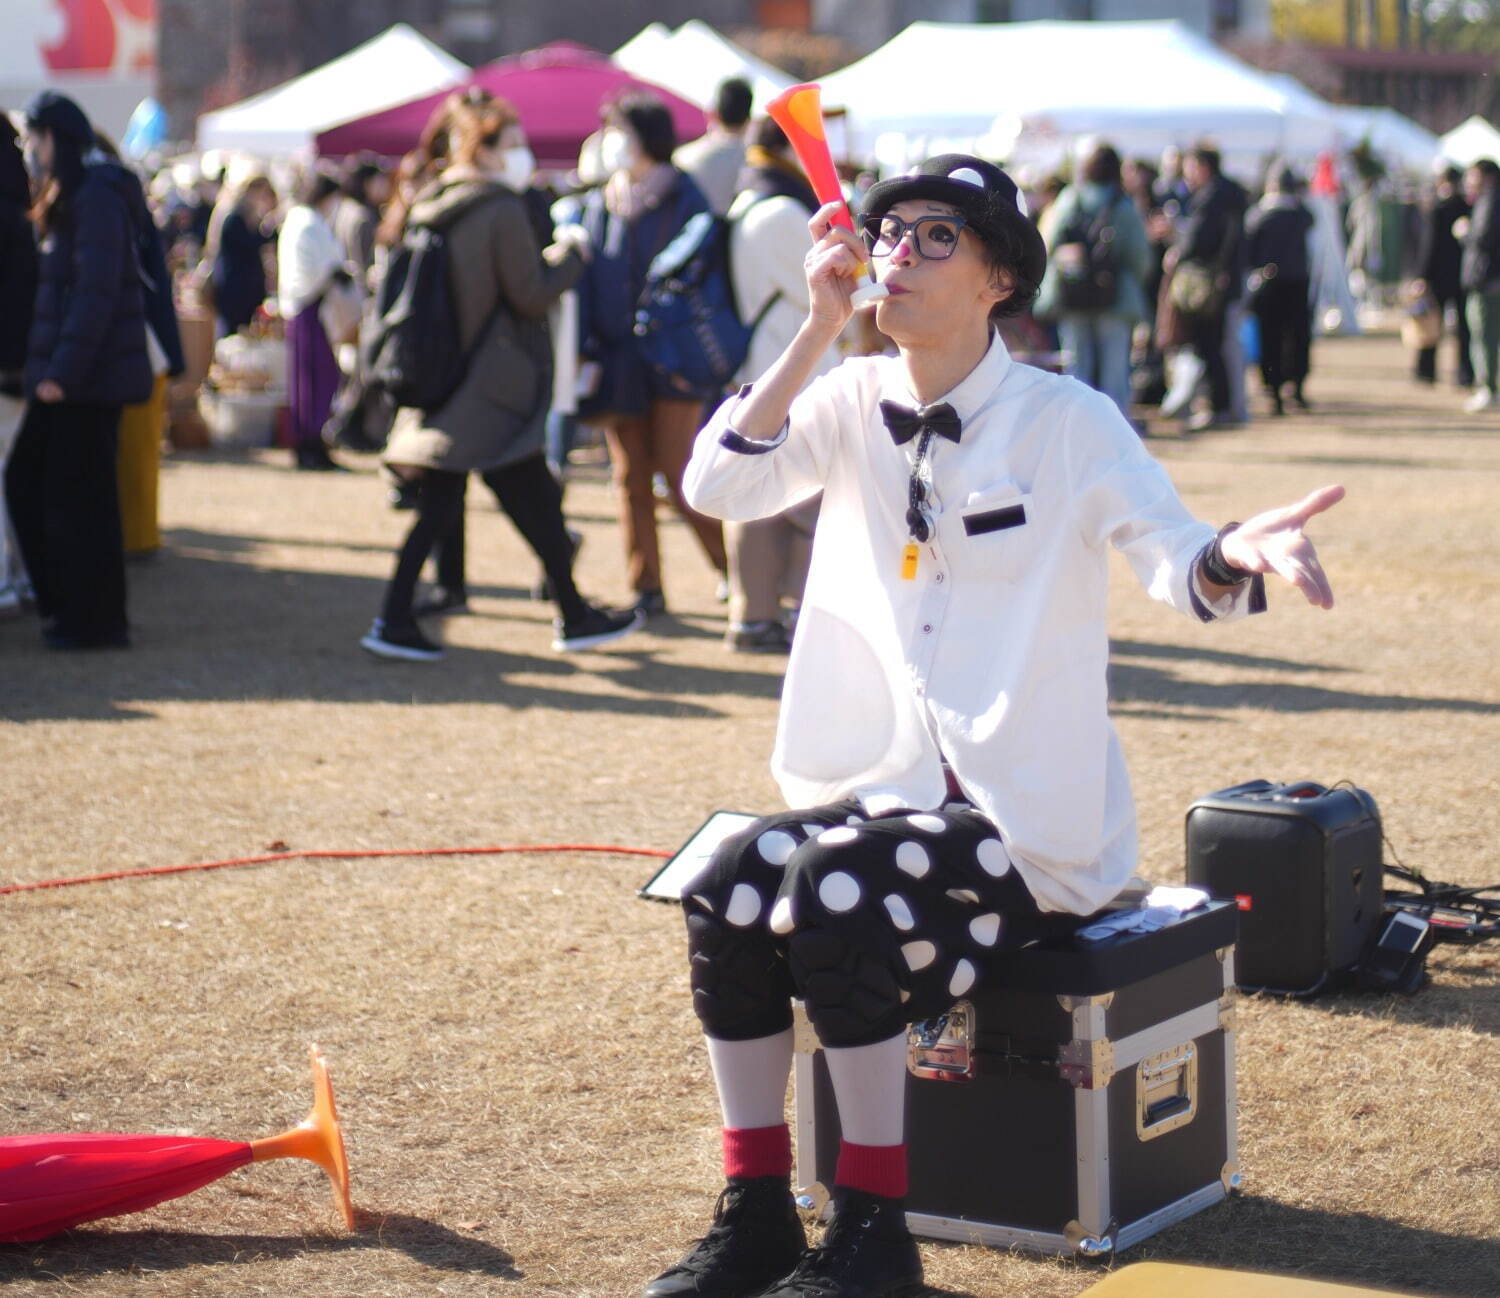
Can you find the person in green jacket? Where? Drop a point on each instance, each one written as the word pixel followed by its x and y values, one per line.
pixel 1098 258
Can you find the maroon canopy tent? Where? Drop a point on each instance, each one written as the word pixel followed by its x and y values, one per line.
pixel 558 90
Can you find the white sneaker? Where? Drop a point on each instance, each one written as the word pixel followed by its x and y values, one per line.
pixel 1482 399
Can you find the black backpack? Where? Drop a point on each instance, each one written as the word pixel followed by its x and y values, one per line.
pixel 1093 283
pixel 415 352
pixel 687 321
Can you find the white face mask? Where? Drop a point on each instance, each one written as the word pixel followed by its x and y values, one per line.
pixel 616 150
pixel 519 166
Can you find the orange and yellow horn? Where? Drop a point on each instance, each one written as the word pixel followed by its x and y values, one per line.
pixel 318 1138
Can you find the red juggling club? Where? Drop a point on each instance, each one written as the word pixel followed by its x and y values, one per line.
pixel 52 1182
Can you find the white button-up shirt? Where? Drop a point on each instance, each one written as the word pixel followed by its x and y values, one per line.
pixel 994 655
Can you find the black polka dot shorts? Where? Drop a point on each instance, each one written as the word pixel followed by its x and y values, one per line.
pixel 931 895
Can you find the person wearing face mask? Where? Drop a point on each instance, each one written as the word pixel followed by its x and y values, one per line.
pixel 493 423
pixel 86 358
pixel 649 419
pixel 1094 288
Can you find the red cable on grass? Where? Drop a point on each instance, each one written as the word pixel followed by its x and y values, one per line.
pixel 325 854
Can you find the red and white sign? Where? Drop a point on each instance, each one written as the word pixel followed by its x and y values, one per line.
pixel 51 40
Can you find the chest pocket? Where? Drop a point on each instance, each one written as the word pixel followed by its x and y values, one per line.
pixel 1000 532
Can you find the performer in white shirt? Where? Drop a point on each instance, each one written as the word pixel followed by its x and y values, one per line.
pixel 954 614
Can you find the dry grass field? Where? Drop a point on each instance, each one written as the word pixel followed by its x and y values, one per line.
pixel 525 1098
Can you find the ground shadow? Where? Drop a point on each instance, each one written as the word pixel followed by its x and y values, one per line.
pixel 210 624
pixel 1462 991
pixel 81 1254
pixel 1132 683
pixel 1251 1233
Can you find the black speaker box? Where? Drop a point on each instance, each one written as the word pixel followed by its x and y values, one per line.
pixel 1303 864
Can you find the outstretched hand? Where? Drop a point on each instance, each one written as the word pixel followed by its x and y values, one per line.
pixel 1274 541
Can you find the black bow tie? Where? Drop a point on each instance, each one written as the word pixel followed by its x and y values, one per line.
pixel 905 424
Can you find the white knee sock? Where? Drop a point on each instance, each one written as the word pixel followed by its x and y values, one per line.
pixel 869 1083
pixel 751 1077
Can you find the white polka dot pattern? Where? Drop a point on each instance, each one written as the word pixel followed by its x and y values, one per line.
pixel 928 824
pixel 993 858
pixel 836 837
pixel 812 831
pixel 839 892
pixel 781 920
pixel 899 909
pixel 775 846
pixel 962 980
pixel 913 859
pixel 918 955
pixel 985 929
pixel 964 894
pixel 744 906
pixel 704 902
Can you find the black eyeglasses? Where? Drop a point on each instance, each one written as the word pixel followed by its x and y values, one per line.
pixel 934 237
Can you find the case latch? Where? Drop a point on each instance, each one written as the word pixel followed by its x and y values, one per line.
pixel 1166 1091
pixel 942 1048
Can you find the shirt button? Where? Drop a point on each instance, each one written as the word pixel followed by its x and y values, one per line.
pixel 939 577
pixel 927 628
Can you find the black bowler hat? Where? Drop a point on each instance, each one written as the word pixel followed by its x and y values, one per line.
pixel 985 196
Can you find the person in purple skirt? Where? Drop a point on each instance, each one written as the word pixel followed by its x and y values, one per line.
pixel 309 260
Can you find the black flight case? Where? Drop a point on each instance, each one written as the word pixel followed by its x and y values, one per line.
pixel 1081 1099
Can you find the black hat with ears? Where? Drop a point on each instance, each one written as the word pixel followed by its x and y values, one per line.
pixel 981 192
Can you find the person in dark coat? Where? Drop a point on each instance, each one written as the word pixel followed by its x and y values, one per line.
pixel 493 422
pixel 17 295
pixel 86 359
pixel 649 421
pixel 236 247
pixel 1210 239
pixel 1479 273
pixel 1437 271
pixel 1276 245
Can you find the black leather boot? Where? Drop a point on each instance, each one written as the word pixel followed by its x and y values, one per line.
pixel 756 1238
pixel 867 1252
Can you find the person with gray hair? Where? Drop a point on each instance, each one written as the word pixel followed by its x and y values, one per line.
pixel 1276 238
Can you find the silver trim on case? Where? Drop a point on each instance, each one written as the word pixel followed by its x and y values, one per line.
pixel 1185 1207
pixel 1091 1123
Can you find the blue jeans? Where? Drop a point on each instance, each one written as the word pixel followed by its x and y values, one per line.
pixel 1099 350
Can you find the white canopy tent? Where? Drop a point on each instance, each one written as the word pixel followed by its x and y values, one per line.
pixel 694 59
pixel 1027 92
pixel 1470 141
pixel 1398 141
pixel 398 65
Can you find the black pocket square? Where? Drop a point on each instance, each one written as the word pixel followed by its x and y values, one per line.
pixel 994 520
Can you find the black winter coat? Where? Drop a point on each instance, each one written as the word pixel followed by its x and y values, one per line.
pixel 1481 255
pixel 17 287
pixel 89 332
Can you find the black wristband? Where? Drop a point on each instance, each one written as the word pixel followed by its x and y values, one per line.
pixel 1215 568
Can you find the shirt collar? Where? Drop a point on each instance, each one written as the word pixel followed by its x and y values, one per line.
pixel 970 393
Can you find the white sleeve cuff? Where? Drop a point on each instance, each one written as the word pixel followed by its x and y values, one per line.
pixel 733 441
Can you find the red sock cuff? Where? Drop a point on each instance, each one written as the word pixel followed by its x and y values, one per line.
pixel 758 1151
pixel 875 1169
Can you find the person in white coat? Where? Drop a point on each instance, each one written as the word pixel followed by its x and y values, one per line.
pixel 768 557
pixel 309 259
pixel 955 618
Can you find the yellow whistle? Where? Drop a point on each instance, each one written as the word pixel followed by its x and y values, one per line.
pixel 909 561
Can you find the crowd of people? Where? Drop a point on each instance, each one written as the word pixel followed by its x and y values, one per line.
pixel 1158 279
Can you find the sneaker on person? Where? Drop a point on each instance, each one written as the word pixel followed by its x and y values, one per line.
pixel 867 1252
pixel 756 1238
pixel 1482 399
pixel 593 627
pixel 758 638
pixel 404 643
